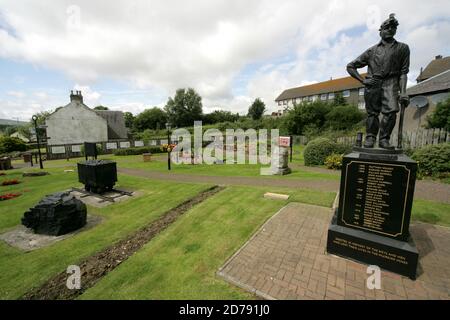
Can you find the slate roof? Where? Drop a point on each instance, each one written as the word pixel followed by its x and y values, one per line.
pixel 438 83
pixel 434 68
pixel 334 85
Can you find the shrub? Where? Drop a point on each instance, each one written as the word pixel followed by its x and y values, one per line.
pixel 334 161
pixel 433 160
pixel 319 149
pixel 137 151
pixel 10 144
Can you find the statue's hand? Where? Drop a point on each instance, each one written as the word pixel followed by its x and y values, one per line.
pixel 369 82
pixel 404 99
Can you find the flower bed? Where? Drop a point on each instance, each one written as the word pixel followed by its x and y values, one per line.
pixel 9 196
pixel 10 182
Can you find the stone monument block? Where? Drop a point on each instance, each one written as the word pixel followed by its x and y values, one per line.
pixel 372 221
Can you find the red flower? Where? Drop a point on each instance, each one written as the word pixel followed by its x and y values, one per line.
pixel 9 196
pixel 10 182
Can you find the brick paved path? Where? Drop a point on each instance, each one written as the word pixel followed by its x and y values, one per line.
pixel 286 259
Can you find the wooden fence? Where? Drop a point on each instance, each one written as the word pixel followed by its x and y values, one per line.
pixel 411 140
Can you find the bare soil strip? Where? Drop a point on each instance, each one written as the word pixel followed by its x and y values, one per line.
pixel 95 267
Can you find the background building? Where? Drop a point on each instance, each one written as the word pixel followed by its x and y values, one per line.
pixel 77 123
pixel 352 90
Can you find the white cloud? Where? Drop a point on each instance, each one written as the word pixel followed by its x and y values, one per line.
pixel 162 45
pixel 16 94
pixel 90 97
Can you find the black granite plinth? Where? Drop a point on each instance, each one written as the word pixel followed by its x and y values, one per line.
pixel 56 214
pixel 375 200
pixel 393 255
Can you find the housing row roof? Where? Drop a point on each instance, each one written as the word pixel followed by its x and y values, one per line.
pixel 438 83
pixel 434 68
pixel 334 85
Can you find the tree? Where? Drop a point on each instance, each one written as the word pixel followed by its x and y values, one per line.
pixel 440 118
pixel 41 116
pixel 256 110
pixel 101 108
pixel 129 119
pixel 339 99
pixel 10 144
pixel 185 108
pixel 150 119
pixel 343 117
pixel 306 115
pixel 220 116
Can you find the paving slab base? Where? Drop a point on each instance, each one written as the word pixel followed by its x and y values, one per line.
pixel 287 259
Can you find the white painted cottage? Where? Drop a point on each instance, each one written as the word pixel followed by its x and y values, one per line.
pixel 77 123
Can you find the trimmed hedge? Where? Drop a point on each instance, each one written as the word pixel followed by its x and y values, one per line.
pixel 433 160
pixel 137 151
pixel 319 149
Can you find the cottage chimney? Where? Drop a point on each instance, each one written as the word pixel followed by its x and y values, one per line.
pixel 438 57
pixel 76 97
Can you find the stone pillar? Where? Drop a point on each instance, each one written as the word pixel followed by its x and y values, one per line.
pixel 280 158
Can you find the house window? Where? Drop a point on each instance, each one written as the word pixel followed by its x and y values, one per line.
pixel 331 96
pixel 285 102
pixel 362 105
pixel 323 96
pixel 305 99
pixel 361 91
pixel 310 98
pixel 315 97
pixel 279 103
pixel 293 101
pixel 346 93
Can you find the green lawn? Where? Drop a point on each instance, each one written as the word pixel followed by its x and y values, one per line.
pixel 159 164
pixel 181 262
pixel 21 271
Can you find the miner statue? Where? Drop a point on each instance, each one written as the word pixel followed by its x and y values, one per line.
pixel 385 83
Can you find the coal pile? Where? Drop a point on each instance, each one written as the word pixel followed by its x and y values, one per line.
pixel 56 214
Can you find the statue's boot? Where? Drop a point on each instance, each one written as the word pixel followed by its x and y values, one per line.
pixel 386 126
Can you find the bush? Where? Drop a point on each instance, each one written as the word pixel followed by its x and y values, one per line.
pixel 319 149
pixel 343 117
pixel 10 144
pixel 433 160
pixel 334 161
pixel 137 151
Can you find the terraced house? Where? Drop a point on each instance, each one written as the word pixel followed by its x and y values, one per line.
pixel 351 89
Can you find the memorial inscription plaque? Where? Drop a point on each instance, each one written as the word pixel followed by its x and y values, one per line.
pixel 371 224
pixel 377 196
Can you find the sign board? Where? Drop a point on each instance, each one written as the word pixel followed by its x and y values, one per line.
pixel 285 141
pixel 139 143
pixel 58 150
pixel 76 148
pixel 124 144
pixel 111 145
pixel 163 142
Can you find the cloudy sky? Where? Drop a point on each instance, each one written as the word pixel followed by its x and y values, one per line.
pixel 130 55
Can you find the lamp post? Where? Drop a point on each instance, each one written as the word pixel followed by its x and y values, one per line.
pixel 37 139
pixel 168 145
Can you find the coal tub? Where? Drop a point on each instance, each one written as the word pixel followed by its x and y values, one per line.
pixel 97 176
